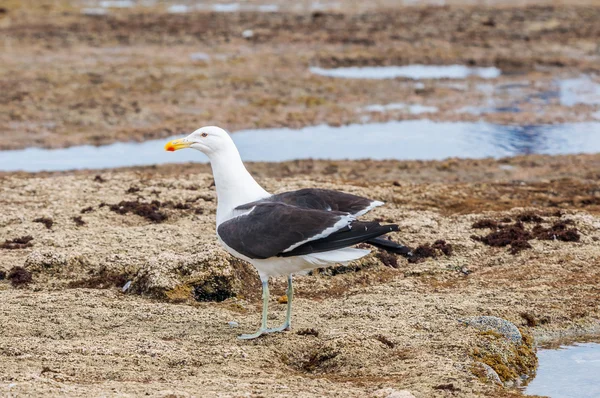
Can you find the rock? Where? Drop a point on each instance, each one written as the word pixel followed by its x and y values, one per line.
pixel 247 34
pixel 210 275
pixel 233 324
pixel 490 373
pixel 498 325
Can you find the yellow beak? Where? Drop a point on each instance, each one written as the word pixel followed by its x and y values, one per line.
pixel 174 145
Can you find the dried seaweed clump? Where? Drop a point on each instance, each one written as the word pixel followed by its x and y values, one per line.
pixel 529 216
pixel 46 221
pixel 78 221
pixel 558 231
pixel 19 276
pixel 438 248
pixel 485 223
pixel 388 259
pixel 308 332
pixel 150 211
pixel 517 236
pixel 17 243
pixel 514 236
pixel 103 280
pixel 533 320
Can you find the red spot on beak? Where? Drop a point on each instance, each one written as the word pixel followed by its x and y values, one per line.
pixel 170 148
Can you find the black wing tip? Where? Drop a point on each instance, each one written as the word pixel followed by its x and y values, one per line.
pixel 392 227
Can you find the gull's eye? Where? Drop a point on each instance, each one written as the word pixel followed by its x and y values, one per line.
pixel 204 135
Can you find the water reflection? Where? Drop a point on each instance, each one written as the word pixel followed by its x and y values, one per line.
pixel 568 372
pixel 409 71
pixel 412 139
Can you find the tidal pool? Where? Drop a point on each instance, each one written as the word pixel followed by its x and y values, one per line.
pixel 568 372
pixel 415 72
pixel 411 139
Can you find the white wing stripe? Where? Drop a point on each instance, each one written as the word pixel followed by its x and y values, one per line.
pixel 371 206
pixel 344 220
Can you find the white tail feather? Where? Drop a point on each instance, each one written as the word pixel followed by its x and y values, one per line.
pixel 341 256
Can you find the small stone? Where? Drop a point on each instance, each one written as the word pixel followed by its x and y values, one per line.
pixel 233 324
pixel 282 299
pixel 392 393
pixel 499 325
pixel 248 33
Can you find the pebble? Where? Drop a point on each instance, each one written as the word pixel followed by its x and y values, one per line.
pixel 233 324
pixel 248 33
pixel 126 287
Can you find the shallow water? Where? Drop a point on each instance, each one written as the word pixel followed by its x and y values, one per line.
pixel 409 71
pixel 581 90
pixel 412 139
pixel 414 109
pixel 568 372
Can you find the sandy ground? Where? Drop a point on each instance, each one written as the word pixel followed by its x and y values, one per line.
pixel 382 323
pixel 67 78
pixel 70 241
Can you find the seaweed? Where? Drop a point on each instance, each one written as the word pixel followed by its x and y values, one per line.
pixel 103 280
pixel 149 211
pixel 98 178
pixel 514 236
pixel 442 246
pixel 78 221
pixel 447 387
pixel 558 231
pixel 318 359
pixel 17 243
pixel 308 332
pixel 485 223
pixel 19 276
pixel 132 189
pixel 430 251
pixel 517 237
pixel 46 221
pixel 529 216
pixel 388 259
pixel 385 340
pixel 533 320
pixel 87 210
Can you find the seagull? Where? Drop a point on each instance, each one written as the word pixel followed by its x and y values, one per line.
pixel 285 233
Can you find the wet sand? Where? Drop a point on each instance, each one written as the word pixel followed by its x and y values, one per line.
pixel 381 323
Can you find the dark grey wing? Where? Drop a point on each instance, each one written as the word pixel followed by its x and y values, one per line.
pixel 322 199
pixel 356 232
pixel 272 228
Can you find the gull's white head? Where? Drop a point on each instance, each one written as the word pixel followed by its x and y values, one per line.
pixel 209 140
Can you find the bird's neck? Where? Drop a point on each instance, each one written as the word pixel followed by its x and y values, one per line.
pixel 235 186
